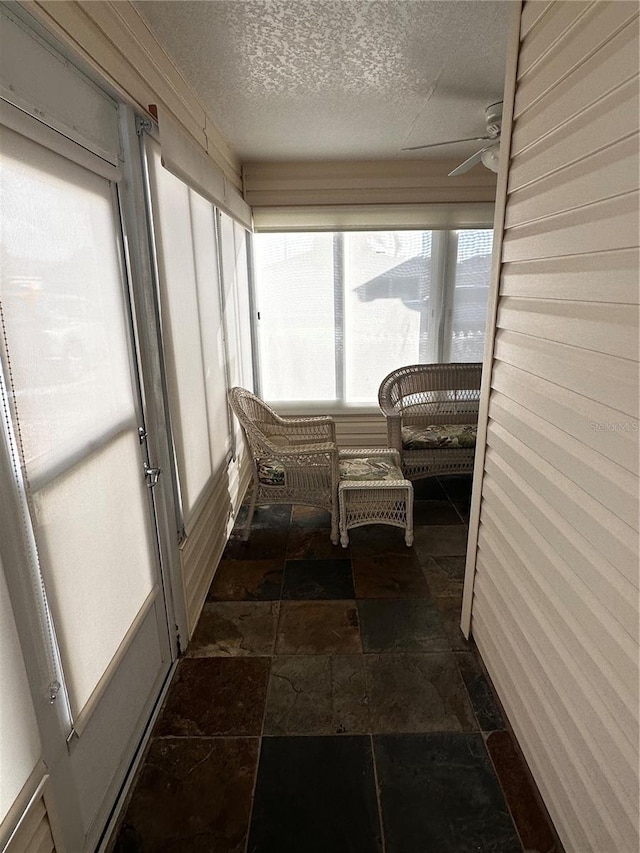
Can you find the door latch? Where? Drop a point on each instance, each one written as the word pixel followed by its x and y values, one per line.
pixel 151 475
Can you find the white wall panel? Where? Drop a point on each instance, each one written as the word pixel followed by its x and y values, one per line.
pixel 555 520
pixel 208 532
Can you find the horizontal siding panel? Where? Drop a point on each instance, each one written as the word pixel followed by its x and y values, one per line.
pixel 607 380
pixel 611 538
pixel 564 621
pixel 533 14
pixel 587 423
pixel 603 175
pixel 361 431
pixel 606 822
pixel 545 582
pixel 609 277
pixel 611 224
pixel 601 327
pixel 372 195
pixel 582 592
pixel 33 834
pixel 608 120
pixel 615 486
pixel 583 703
pixel 535 734
pixel 599 76
pixel 589 35
pixel 548 31
pixel 363 182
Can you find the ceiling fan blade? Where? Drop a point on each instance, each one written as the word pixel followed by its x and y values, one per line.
pixel 468 164
pixel 449 142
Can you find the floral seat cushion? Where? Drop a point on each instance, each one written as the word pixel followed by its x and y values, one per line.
pixel 438 436
pixel 271 471
pixel 369 468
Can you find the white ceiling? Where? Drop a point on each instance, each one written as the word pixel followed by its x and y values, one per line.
pixel 338 79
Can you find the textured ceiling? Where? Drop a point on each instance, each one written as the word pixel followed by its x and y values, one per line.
pixel 338 79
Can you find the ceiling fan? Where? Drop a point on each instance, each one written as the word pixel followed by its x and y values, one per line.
pixel 488 155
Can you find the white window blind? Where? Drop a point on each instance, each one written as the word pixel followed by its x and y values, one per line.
pixel 184 224
pixel 339 311
pixel 235 281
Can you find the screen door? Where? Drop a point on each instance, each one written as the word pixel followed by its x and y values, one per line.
pixel 71 376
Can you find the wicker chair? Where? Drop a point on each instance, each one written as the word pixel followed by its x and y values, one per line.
pixel 295 460
pixel 432 415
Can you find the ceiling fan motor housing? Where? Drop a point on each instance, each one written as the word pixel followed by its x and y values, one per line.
pixel 493 118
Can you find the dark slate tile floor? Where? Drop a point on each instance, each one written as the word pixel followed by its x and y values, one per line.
pixel 329 702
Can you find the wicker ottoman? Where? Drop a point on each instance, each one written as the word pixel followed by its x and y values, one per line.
pixel 373 490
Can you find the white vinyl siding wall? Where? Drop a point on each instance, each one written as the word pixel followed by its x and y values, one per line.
pixel 555 601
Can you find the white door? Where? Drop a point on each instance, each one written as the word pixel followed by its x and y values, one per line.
pixel 77 433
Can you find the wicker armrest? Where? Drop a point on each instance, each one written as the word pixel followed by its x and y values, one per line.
pixel 306 430
pixel 300 451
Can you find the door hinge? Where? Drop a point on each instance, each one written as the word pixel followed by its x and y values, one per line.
pixel 143 125
pixel 142 434
pixel 151 475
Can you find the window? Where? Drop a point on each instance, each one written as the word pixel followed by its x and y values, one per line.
pixel 207 339
pixel 338 311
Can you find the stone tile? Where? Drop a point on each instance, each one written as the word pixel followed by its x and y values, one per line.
pixel 317 695
pixel 318 628
pixel 439 793
pixel 417 693
pixel 428 489
pixel 375 539
pixel 193 796
pixel 434 540
pixel 313 545
pixel 463 508
pixel 532 823
pixel 318 579
pixel 450 608
pixel 310 517
pixel 215 696
pixel 445 575
pixel 247 580
pixel 389 576
pixel 273 516
pixel 401 625
pixel 480 692
pixel 235 629
pixel 434 512
pixel 458 487
pixel 267 544
pixel 315 795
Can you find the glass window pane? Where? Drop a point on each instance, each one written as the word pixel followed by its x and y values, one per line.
pixel 295 299
pixel 387 286
pixel 181 328
pixel 469 304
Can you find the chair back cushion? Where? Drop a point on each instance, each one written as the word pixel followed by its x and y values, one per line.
pixel 438 436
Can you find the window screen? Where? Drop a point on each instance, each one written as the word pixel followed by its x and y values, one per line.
pixel 193 333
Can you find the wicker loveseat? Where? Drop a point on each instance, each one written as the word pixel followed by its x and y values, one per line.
pixel 432 416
